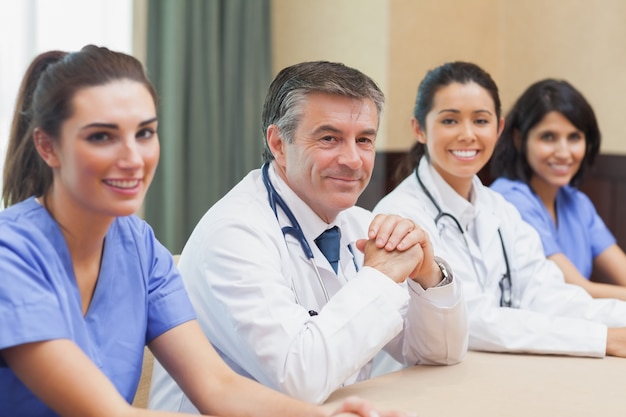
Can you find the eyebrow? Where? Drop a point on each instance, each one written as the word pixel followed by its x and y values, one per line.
pixel 332 129
pixel 114 126
pixel 456 111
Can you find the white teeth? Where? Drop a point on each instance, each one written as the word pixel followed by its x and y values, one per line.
pixel 560 167
pixel 465 153
pixel 122 183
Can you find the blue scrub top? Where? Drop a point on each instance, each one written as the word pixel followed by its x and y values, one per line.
pixel 580 235
pixel 139 295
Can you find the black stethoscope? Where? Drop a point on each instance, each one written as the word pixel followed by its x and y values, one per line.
pixel 276 201
pixel 505 281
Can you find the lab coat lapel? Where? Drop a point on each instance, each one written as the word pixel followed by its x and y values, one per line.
pixel 305 281
pixel 489 245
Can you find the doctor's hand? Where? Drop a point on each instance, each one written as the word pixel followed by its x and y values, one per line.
pixel 354 406
pixel 399 248
pixel 393 232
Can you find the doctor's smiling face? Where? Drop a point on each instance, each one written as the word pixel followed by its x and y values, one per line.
pixel 330 159
pixel 460 132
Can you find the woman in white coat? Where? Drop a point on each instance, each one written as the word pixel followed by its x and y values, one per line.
pixel 517 300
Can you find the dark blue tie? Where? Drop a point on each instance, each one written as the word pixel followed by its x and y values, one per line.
pixel 328 242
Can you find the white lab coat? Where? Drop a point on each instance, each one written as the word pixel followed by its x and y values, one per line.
pixel 549 316
pixel 239 271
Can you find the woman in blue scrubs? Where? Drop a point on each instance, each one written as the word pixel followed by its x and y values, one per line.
pixel 550 139
pixel 84 284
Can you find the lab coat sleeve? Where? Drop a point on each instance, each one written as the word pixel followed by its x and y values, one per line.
pixel 435 326
pixel 552 317
pixel 237 272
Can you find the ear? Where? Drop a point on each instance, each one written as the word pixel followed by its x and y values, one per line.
pixel 46 148
pixel 417 131
pixel 500 126
pixel 276 144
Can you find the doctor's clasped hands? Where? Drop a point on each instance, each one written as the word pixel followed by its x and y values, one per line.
pixel 400 249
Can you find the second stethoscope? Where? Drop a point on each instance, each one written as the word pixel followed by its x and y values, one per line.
pixel 276 201
pixel 505 282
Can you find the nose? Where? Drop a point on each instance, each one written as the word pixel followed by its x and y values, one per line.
pixel 561 148
pixel 467 132
pixel 350 155
pixel 130 157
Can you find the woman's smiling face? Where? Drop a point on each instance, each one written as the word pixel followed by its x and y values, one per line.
pixel 555 149
pixel 108 149
pixel 461 131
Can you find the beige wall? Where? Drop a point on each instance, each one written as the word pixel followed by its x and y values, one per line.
pixel 425 34
pixel 354 32
pixel 518 42
pixel 581 41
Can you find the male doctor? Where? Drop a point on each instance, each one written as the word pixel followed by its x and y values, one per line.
pixel 273 302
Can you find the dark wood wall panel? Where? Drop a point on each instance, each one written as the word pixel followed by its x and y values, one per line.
pixel 382 181
pixel 617 223
pixel 606 187
pixel 599 191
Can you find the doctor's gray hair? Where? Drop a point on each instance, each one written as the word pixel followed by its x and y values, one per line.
pixel 288 93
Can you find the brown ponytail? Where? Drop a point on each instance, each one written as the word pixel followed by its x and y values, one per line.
pixel 25 173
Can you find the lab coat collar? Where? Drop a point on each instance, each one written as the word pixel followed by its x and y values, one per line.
pixel 449 200
pixel 312 225
pixel 483 224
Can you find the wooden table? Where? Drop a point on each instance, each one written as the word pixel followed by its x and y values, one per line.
pixel 502 385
